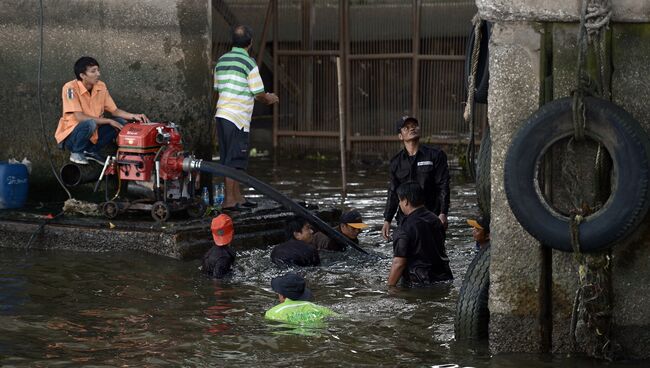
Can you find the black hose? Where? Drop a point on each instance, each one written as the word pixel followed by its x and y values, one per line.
pixel 270 192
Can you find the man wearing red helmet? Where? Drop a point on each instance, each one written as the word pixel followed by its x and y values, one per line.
pixel 218 260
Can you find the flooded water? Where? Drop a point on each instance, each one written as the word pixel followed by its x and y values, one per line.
pixel 132 309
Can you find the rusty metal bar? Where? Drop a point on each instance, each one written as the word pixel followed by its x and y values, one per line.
pixel 407 55
pixel 267 22
pixel 309 52
pixel 365 138
pixel 345 28
pixel 307 133
pixel 391 138
pixel 307 65
pixel 276 112
pixel 415 87
pixel 442 57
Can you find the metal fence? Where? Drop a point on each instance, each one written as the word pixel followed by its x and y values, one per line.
pixel 397 58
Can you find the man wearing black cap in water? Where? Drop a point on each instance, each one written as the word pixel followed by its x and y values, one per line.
pixel 294 304
pixel 421 163
pixel 350 224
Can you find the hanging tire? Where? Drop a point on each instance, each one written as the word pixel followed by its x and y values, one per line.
pixel 483 167
pixel 481 82
pixel 472 313
pixel 629 148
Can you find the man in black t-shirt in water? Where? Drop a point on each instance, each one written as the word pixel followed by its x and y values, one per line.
pixel 419 256
pixel 297 250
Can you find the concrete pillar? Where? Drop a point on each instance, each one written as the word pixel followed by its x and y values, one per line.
pixel 515 261
pixel 513 97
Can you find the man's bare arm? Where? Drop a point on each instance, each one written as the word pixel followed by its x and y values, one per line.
pixel 396 269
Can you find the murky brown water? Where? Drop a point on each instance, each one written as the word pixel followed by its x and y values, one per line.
pixel 132 309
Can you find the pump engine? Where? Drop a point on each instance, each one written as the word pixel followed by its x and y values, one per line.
pixel 148 166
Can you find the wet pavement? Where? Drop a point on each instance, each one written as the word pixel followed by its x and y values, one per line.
pixel 136 309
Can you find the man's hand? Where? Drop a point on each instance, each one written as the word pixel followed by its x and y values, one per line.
pixel 115 124
pixel 267 98
pixel 272 98
pixel 385 230
pixel 443 219
pixel 140 117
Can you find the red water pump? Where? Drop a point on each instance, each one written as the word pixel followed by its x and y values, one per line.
pixel 149 167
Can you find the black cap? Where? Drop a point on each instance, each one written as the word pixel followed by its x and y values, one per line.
pixel 403 120
pixel 292 286
pixel 353 218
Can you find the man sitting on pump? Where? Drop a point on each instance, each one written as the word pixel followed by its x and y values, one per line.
pixel 350 224
pixel 82 129
pixel 297 250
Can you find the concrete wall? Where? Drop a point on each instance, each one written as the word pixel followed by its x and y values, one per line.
pixel 516 50
pixel 154 56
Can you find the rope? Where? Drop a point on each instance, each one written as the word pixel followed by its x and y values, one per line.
pixel 468 114
pixel 592 304
pixel 471 81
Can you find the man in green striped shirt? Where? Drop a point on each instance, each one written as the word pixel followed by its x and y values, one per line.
pixel 238 82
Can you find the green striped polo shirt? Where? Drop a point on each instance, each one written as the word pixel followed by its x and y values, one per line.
pixel 237 79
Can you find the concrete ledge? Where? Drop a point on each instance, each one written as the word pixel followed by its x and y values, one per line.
pixel 633 11
pixel 187 239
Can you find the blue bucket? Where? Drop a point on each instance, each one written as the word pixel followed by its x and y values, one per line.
pixel 14 185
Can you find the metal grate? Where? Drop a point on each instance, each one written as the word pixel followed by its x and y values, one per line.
pixel 398 57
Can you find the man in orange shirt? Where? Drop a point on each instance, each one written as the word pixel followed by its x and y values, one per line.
pixel 82 128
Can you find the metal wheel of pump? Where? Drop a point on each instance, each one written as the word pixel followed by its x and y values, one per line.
pixel 629 147
pixel 160 211
pixel 196 209
pixel 472 313
pixel 110 209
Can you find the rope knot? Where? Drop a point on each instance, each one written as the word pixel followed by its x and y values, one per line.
pixel 597 17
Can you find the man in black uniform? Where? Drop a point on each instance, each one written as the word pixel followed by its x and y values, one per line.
pixel 419 255
pixel 423 164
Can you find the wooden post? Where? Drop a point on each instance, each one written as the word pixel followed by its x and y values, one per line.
pixel 415 88
pixel 267 22
pixel 276 113
pixel 342 135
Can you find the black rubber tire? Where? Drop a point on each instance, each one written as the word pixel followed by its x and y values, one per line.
pixel 160 211
pixel 196 209
pixel 472 313
pixel 110 209
pixel 629 148
pixel 481 84
pixel 483 167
